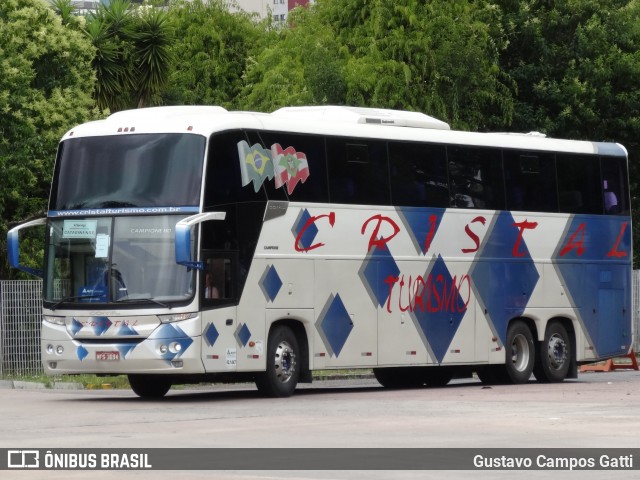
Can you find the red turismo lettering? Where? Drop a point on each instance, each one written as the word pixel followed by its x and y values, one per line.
pixel 614 251
pixel 441 295
pixel 473 236
pixel 521 226
pixel 312 220
pixel 572 244
pixel 382 241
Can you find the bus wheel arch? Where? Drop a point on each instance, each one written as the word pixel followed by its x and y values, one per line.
pixel 556 358
pixel 287 359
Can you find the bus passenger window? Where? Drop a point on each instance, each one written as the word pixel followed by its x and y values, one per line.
pixel 579 184
pixel 530 178
pixel 358 171
pixel 614 183
pixel 418 175
pixel 475 177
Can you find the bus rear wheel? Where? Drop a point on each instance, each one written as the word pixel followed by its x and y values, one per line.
pixel 282 372
pixel 149 386
pixel 519 361
pixel 520 352
pixel 554 355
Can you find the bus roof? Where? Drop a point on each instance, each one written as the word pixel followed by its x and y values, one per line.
pixel 343 121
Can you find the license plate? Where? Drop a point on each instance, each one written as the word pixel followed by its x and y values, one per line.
pixel 108 356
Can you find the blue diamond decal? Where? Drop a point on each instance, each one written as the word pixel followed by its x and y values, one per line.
pixel 126 330
pixel 168 334
pixel 100 324
pixel 270 283
pixel 211 334
pixel 242 334
pixel 125 348
pixel 592 261
pixel 75 327
pixel 422 225
pixel 375 271
pixel 503 283
pixel 334 325
pixel 440 311
pixel 82 352
pixel 309 234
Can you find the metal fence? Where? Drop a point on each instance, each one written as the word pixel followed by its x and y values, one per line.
pixel 21 315
pixel 20 318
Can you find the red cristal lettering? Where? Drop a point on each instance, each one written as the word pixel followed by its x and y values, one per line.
pixel 521 227
pixel 473 236
pixel 332 220
pixel 614 251
pixel 382 241
pixel 572 244
pixel 432 230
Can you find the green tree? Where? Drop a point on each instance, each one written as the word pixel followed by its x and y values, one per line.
pixel 212 47
pixel 440 58
pixel 133 59
pixel 577 68
pixel 45 88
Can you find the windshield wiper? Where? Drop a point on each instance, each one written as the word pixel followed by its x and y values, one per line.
pixel 147 300
pixel 76 297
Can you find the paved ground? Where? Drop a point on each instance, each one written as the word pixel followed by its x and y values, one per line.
pixel 599 410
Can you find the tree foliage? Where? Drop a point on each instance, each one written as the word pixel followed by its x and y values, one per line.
pixel 133 59
pixel 45 87
pixel 437 57
pixel 577 67
pixel 212 47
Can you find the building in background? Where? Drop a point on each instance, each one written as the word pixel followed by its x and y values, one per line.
pixel 277 9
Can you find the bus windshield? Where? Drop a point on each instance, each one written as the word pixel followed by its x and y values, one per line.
pixel 117 259
pixel 141 170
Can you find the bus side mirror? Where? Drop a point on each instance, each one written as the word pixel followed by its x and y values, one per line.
pixel 13 247
pixel 183 237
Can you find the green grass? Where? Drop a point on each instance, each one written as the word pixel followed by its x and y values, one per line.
pixel 94 382
pixel 87 381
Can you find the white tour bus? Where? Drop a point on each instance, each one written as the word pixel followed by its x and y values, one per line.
pixel 190 244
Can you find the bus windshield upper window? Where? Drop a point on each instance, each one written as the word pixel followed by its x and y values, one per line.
pixel 159 170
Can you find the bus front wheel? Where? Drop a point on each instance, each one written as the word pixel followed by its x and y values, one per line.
pixel 554 357
pixel 282 372
pixel 149 386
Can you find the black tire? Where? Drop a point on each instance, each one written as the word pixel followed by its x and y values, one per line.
pixel 399 377
pixel 149 386
pixel 520 352
pixel 283 371
pixel 554 355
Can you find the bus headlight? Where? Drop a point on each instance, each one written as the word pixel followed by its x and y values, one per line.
pixel 53 319
pixel 49 349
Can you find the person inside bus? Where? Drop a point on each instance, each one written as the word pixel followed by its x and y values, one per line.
pixel 210 290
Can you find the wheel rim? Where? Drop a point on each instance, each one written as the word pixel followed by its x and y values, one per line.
pixel 520 353
pixel 285 362
pixel 557 351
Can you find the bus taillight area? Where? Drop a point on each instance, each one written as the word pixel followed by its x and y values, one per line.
pixel 120 345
